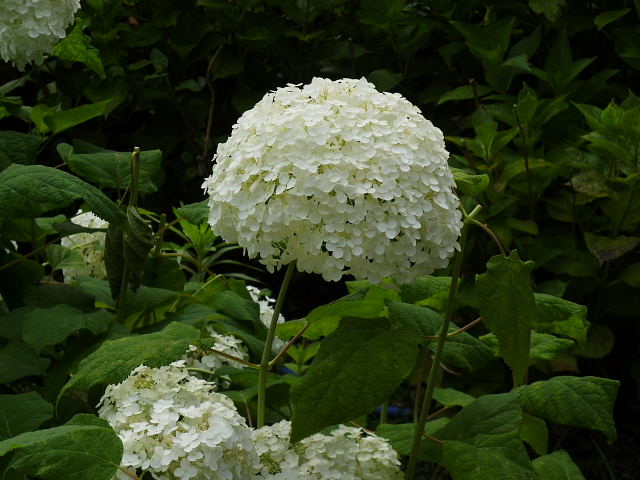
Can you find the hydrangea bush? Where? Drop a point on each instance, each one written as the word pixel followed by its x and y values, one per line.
pixel 340 178
pixel 175 426
pixel 29 29
pixel 347 453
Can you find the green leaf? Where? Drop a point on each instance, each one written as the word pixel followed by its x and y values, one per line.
pixel 49 326
pixel 60 257
pixel 22 412
pixel 164 272
pixel 110 169
pixel 18 278
pixel 600 340
pixel 428 291
pixel 16 147
pixel 507 307
pixel 489 43
pixel 557 466
pixel 18 361
pixel 30 191
pixel 543 346
pixel 561 317
pixel 239 308
pixel 449 397
pixel 400 436
pixel 64 119
pixel 606 249
pixel 146 298
pixel 465 92
pixel 114 360
pixel 486 416
pixel 194 213
pixel 138 241
pixel 76 47
pixel 605 18
pixel 357 367
pixel 550 8
pixel 84 448
pixel 490 457
pixel 470 184
pixel 591 182
pixel 384 79
pixel 534 431
pixel 114 258
pixel 631 275
pixel 585 402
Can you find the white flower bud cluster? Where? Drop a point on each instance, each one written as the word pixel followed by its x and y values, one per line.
pixel 340 177
pixel 266 312
pixel 347 453
pixel 90 245
pixel 207 360
pixel 29 29
pixel 175 426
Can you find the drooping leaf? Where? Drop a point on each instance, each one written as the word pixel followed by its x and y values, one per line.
pixel 114 360
pixel 112 169
pixel 358 366
pixel 561 317
pixel 114 258
pixel 606 249
pixel 138 241
pixel 534 431
pixel 76 47
pixel 84 448
pixel 557 466
pixel 507 307
pixel 49 326
pixel 30 191
pixel 585 402
pixel 22 412
pixel 18 361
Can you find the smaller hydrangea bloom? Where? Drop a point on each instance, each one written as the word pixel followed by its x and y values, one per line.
pixel 175 426
pixel 266 304
pixel 347 453
pixel 90 245
pixel 339 177
pixel 29 29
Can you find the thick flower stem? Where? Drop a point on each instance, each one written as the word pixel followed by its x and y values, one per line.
pixel 266 353
pixel 435 365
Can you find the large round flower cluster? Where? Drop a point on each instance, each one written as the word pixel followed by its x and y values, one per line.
pixel 29 29
pixel 347 453
pixel 90 245
pixel 174 426
pixel 340 177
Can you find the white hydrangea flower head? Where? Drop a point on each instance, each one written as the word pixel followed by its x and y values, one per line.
pixel 208 360
pixel 175 426
pixel 347 453
pixel 29 29
pixel 340 177
pixel 266 304
pixel 90 245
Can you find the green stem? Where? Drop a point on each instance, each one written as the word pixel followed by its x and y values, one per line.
pixel 266 353
pixel 384 412
pixel 435 365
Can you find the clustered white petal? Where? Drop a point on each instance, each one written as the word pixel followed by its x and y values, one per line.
pixel 347 453
pixel 90 245
pixel 174 425
pixel 266 313
pixel 340 177
pixel 208 360
pixel 29 29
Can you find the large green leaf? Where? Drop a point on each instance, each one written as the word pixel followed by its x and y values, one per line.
pixel 357 367
pixel 58 121
pixel 503 456
pixel 508 309
pixel 22 412
pixel 606 248
pixel 543 346
pixel 16 147
pixel 428 291
pixel 18 361
pixel 585 402
pixel 556 466
pixel 85 448
pixel 113 169
pixel 400 436
pixel 561 317
pixel 114 360
pixel 49 326
pixel 30 191
pixel 76 47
